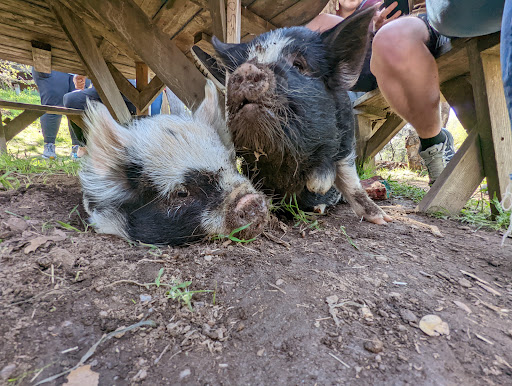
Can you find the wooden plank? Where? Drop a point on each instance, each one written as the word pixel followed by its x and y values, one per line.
pixel 162 55
pixel 126 88
pixel 108 51
pixel 253 24
pixel 233 21
pixel 175 15
pixel 150 92
pixel 20 123
pixel 203 41
pixel 269 11
pixel 141 81
pixel 383 135
pixel 83 42
pixel 363 134
pixel 458 181
pixel 3 141
pixel 45 109
pixel 218 13
pixel 458 92
pixel 42 57
pixel 493 123
pixel 299 13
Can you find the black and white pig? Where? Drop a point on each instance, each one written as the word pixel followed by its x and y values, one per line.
pixel 290 115
pixel 168 179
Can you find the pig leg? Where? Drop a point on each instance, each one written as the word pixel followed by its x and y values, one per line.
pixel 348 183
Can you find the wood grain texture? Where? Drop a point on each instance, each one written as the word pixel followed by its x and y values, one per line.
pixel 150 92
pixel 20 123
pixel 85 45
pixel 152 45
pixel 383 135
pixel 218 14
pixel 141 81
pixel 42 60
pixel 126 88
pixel 458 181
pixel 233 21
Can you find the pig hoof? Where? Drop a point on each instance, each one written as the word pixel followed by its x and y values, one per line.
pixel 380 220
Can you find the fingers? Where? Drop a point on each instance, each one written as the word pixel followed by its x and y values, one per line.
pixel 386 11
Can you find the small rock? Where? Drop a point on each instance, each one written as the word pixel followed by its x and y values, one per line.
pixel 433 325
pixel 185 373
pixel 408 316
pixel 385 276
pixel 121 334
pixel 378 358
pixel 223 365
pixel 140 376
pixel 333 299
pixel 382 259
pixel 465 282
pixel 375 346
pixel 279 282
pixel 358 369
pixel 208 258
pixel 383 313
pixel 16 224
pixel 366 314
pixel 260 352
pixel 402 328
pixel 395 296
pixel 145 298
pixel 7 371
pixel 103 314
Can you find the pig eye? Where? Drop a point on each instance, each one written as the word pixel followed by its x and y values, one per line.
pixel 300 64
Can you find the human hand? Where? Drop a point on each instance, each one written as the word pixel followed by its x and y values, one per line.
pixel 381 17
pixel 79 81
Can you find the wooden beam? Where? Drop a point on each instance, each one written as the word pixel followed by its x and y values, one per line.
pixel 233 21
pixel 493 123
pixel 83 42
pixel 3 140
pixel 363 134
pixel 203 41
pixel 42 57
pixel 20 123
pixel 218 13
pixel 126 88
pixel 108 51
pixel 458 92
pixel 141 81
pixel 152 45
pixel 45 109
pixel 383 135
pixel 254 24
pixel 150 92
pixel 458 181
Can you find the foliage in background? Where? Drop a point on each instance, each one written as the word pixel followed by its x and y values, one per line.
pixel 10 73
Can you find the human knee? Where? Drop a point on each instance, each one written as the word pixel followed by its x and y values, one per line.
pixel 74 100
pixel 395 44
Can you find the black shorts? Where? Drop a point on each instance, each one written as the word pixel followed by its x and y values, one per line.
pixel 367 81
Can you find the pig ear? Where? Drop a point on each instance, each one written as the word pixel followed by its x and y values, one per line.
pixel 232 55
pixel 347 45
pixel 210 113
pixel 106 139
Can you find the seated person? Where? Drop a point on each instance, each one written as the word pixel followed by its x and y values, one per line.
pixel 78 100
pixel 52 88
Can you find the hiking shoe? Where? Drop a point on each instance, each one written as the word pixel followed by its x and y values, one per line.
pixel 77 152
pixel 210 68
pixel 49 151
pixel 449 151
pixel 437 156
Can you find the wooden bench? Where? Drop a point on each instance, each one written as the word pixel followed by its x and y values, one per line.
pixel 30 113
pixel 470 81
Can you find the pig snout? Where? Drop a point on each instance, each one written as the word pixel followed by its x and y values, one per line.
pixel 248 84
pixel 250 208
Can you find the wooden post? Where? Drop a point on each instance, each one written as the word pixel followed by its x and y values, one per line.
pixel 493 123
pixel 218 13
pixel 3 141
pixel 82 40
pixel 141 81
pixel 234 21
pixel 458 92
pixel 363 134
pixel 383 135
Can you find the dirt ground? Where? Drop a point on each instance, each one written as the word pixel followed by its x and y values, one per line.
pixel 297 306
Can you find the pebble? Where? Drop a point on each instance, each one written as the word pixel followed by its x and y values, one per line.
pixel 279 282
pixel 185 373
pixel 333 299
pixel 208 258
pixel 378 358
pixel 63 257
pixel 140 376
pixel 103 314
pixel 381 259
pixel 7 371
pixel 145 298
pixel 394 296
pixel 17 224
pixel 223 365
pixel 402 328
pixel 260 352
pixel 375 346
pixel 408 316
pixel 383 313
pixel 465 283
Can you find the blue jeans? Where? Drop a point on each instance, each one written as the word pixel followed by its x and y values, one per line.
pixel 52 87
